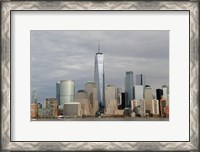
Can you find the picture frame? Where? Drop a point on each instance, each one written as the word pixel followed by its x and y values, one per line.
pixel 7 7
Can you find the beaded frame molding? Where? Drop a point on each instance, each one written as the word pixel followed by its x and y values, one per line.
pixel 8 6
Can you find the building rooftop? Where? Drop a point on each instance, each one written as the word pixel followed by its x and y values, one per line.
pixel 129 72
pixel 110 85
pixel 79 91
pixel 99 53
pixel 71 103
pixel 67 81
pixel 50 99
pixel 147 86
pixel 90 82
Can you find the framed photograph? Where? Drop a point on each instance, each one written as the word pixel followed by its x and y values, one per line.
pixel 109 75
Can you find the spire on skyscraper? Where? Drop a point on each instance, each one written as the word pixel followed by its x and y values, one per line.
pixel 98 46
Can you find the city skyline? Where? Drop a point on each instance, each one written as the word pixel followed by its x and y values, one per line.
pixel 69 55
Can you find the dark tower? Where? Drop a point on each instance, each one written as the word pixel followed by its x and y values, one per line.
pixel 159 93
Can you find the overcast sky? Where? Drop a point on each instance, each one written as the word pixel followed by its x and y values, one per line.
pixel 70 55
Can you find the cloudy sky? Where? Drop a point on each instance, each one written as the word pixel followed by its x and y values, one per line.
pixel 69 55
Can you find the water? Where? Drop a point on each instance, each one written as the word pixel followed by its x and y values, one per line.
pixel 106 119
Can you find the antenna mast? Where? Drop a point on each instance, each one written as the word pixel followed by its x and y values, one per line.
pixel 98 47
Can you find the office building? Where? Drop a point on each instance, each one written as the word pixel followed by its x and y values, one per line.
pixel 134 104
pixel 67 91
pixel 39 105
pixel 166 94
pixel 52 105
pixel 111 107
pixel 118 96
pixel 110 93
pixel 44 113
pixel 148 93
pixel 34 110
pixel 58 92
pixel 143 107
pixel 99 79
pixel 89 86
pixel 124 98
pixel 148 96
pixel 140 79
pixel 155 107
pixel 139 92
pixel 140 110
pixel 111 101
pixel 162 106
pixel 82 98
pixel 119 101
pixel 129 86
pixel 95 102
pixel 81 94
pixel 159 94
pixel 72 109
pixel 166 109
pixel 33 96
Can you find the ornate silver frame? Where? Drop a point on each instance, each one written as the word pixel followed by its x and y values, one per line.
pixel 7 6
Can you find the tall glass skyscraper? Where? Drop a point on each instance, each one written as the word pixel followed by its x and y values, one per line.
pixel 129 86
pixel 33 96
pixel 140 79
pixel 139 87
pixel 99 79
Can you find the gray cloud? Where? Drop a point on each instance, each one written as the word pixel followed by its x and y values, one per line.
pixel 63 55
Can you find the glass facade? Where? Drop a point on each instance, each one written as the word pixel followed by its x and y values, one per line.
pixel 140 79
pixel 67 91
pixel 58 92
pixel 124 98
pixel 159 93
pixel 129 86
pixel 33 96
pixel 99 80
pixel 139 92
pixel 165 90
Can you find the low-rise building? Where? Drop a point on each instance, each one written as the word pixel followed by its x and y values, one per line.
pixel 72 109
pixel 34 110
pixel 52 105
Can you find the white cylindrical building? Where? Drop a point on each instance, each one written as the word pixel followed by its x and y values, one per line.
pixel 67 91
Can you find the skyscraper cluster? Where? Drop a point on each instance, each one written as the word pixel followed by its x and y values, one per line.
pixel 96 98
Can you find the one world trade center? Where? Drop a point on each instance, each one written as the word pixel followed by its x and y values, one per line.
pixel 99 80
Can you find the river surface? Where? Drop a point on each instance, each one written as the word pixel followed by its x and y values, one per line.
pixel 105 119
